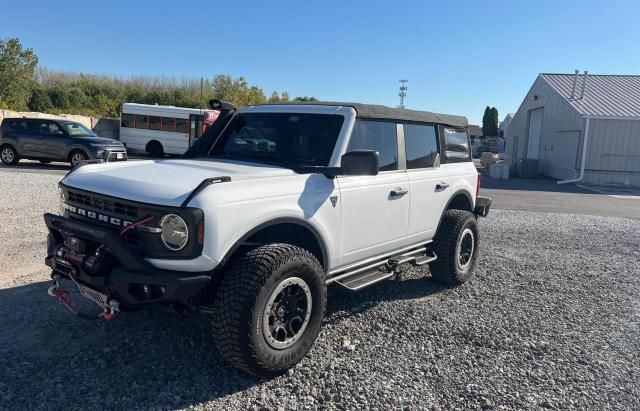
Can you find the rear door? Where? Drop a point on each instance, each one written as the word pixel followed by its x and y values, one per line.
pixel 428 181
pixel 16 131
pixel 375 209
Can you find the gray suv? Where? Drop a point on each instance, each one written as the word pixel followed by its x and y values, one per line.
pixel 49 140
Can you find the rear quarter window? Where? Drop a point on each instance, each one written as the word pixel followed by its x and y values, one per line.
pixel 456 143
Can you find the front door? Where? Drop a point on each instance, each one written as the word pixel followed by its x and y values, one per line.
pixel 53 140
pixel 375 209
pixel 195 128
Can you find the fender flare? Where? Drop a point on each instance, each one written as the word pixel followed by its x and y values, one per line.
pixel 275 221
pixel 454 195
pixel 75 147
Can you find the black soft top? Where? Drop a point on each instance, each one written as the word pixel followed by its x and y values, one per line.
pixel 379 112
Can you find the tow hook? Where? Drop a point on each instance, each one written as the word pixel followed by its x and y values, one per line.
pixel 63 295
pixel 109 312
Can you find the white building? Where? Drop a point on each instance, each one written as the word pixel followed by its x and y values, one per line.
pixel 565 113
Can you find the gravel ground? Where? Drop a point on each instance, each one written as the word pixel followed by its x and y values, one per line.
pixel 551 320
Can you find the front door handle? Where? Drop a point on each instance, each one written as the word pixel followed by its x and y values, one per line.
pixel 397 192
pixel 442 185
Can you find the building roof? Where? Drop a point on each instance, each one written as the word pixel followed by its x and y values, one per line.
pixel 506 121
pixel 378 112
pixel 604 95
pixel 474 130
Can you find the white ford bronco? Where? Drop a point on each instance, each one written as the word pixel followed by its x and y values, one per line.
pixel 272 204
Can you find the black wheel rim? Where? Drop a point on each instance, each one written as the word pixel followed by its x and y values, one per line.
pixel 465 249
pixel 287 313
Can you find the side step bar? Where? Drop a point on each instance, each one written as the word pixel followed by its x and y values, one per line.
pixel 370 274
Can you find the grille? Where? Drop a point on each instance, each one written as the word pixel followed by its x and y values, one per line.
pixel 104 204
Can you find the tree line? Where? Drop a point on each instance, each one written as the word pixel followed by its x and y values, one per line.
pixel 26 86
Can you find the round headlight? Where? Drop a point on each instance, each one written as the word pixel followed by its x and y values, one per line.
pixel 175 233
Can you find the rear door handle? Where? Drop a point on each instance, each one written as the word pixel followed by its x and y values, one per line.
pixel 442 185
pixel 397 192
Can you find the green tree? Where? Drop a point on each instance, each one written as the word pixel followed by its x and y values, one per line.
pixel 40 101
pixel 275 97
pixel 17 67
pixel 305 98
pixel 59 96
pixel 490 122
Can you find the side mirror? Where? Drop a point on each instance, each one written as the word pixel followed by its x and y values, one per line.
pixel 360 163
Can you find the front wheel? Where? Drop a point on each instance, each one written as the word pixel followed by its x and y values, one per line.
pixel 77 158
pixel 456 245
pixel 269 308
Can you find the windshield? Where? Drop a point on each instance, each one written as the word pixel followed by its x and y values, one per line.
pixel 287 139
pixel 78 130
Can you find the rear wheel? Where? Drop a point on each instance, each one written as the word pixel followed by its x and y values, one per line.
pixel 77 158
pixel 269 308
pixel 9 155
pixel 154 149
pixel 456 245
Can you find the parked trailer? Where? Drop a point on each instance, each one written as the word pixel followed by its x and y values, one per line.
pixel 159 130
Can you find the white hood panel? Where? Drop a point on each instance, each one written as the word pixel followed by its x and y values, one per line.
pixel 162 182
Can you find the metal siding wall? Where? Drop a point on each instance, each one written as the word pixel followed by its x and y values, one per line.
pixel 557 158
pixel 613 155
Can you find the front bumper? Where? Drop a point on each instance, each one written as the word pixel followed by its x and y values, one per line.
pixel 133 281
pixel 482 206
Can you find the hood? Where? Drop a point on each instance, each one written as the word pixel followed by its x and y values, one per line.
pixel 162 182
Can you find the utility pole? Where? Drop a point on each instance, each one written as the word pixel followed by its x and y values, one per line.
pixel 403 92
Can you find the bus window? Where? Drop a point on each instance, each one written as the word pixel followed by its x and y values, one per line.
pixel 142 121
pixel 127 120
pixel 182 125
pixel 168 124
pixel 154 123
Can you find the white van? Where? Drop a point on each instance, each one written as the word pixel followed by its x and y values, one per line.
pixel 159 130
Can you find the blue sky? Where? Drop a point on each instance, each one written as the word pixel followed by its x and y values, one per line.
pixel 459 56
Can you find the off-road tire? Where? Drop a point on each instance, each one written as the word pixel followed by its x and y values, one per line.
pixel 241 300
pixel 155 149
pixel 446 269
pixel 9 155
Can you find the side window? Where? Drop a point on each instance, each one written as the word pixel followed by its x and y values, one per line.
pixel 456 143
pixel 17 126
pixel 127 120
pixel 182 125
pixel 49 128
pixel 376 135
pixel 154 123
pixel 168 124
pixel 142 121
pixel 421 145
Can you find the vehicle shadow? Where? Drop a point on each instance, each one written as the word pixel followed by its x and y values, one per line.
pixel 29 165
pixel 170 358
pixel 343 303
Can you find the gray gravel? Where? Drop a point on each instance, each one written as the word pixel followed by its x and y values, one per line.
pixel 551 320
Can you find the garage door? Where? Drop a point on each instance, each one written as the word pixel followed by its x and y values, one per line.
pixel 535 129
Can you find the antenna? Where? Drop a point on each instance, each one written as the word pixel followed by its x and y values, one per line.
pixel 403 92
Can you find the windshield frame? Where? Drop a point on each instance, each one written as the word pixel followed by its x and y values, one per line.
pixel 277 158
